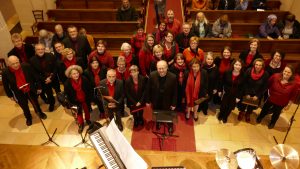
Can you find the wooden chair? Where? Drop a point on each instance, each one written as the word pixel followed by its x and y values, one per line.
pixel 38 17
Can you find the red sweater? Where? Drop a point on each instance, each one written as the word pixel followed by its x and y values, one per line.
pixel 145 58
pixel 281 94
pixel 105 59
pixel 125 75
pixel 168 53
pixel 137 42
pixel 174 27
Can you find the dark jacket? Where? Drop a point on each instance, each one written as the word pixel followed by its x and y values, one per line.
pixel 129 14
pixel 118 94
pixel 164 97
pixel 71 93
pixel 10 84
pixel 132 96
pixel 180 38
pixel 50 66
pixel 230 6
pixel 230 88
pixel 259 4
pixel 244 54
pixel 207 28
pixel 213 78
pixel 296 29
pixel 29 50
pixel 61 68
pixel 90 75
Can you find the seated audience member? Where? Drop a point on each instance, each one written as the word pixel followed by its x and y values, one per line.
pixel 146 55
pixel 230 88
pixel 158 54
pixel 196 88
pixel 213 79
pixel 137 40
pixel 182 39
pixel 256 80
pixel 193 51
pixel 89 37
pixel 58 48
pixel 126 12
pixel 289 27
pixel 130 57
pixel 259 4
pixel 282 87
pixel 226 5
pixel 22 50
pixel 59 34
pixel 14 79
pixel 68 59
pixel 170 47
pixel 200 4
pixel 95 73
pixel 160 6
pixel 78 43
pixel 161 90
pixel 276 63
pixel 213 4
pixel 79 92
pixel 122 71
pixel 45 37
pixel 103 55
pixel 172 23
pixel 159 33
pixel 44 64
pixel 223 63
pixel 269 28
pixel 222 27
pixel 135 93
pixel 248 56
pixel 241 4
pixel 113 91
pixel 181 71
pixel 201 27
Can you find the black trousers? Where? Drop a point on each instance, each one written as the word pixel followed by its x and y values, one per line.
pixel 115 114
pixel 273 108
pixel 47 89
pixel 22 100
pixel 227 105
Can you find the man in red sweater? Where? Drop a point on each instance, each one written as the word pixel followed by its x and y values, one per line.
pixel 173 24
pixel 103 55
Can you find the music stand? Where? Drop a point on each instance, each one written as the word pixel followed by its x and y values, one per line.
pixel 165 117
pixel 100 97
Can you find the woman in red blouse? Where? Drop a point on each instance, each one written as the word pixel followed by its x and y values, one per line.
pixel 146 55
pixel 170 47
pixel 137 40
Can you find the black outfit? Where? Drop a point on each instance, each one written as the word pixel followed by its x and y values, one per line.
pixel 243 57
pixel 118 96
pixel 226 5
pixel 259 4
pixel 61 68
pixel 183 41
pixel 129 14
pixel 207 29
pixel 134 96
pixel 29 51
pixel 81 47
pixel 45 66
pixel 232 90
pixel 90 76
pixel 11 89
pixel 296 29
pixel 203 91
pixel 55 39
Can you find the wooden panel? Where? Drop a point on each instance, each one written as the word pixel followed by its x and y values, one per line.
pixel 237 16
pixel 95 4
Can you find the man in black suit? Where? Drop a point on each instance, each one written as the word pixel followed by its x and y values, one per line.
pixel 78 43
pixel 44 64
pixel 22 50
pixel 113 93
pixel 21 85
pixel 162 89
pixel 183 38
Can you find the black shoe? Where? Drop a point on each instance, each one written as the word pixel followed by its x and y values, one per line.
pixel 219 118
pixel 224 120
pixel 205 112
pixel 196 118
pixel 120 126
pixel 80 129
pixel 135 123
pixel 88 122
pixel 51 107
pixel 42 116
pixel 258 120
pixel 28 122
pixel 271 125
pixel 44 98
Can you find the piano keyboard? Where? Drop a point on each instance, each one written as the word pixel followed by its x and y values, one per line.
pixel 106 152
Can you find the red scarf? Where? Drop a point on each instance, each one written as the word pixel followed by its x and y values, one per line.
pixel 22 54
pixel 192 88
pixel 255 76
pixel 96 76
pixel 111 89
pixel 69 63
pixel 181 69
pixel 159 36
pixel 77 86
pixel 249 59
pixel 20 79
pixel 224 65
pixel 128 59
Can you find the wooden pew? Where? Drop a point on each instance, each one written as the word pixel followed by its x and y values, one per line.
pixel 95 4
pixel 84 14
pixel 235 16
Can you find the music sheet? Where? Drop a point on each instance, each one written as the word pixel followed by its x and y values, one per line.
pixel 127 154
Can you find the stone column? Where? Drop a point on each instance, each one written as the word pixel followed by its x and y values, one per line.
pixel 5 42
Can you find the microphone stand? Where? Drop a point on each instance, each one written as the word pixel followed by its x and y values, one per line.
pixel 100 97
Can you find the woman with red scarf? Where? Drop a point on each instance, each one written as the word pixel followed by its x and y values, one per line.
pixel 196 87
pixel 159 34
pixel 68 59
pixel 158 54
pixel 95 73
pixel 146 55
pixel 251 54
pixel 122 71
pixel 282 89
pixel 170 47
pixel 256 80
pixel 193 51
pixel 179 68
pixel 79 92
pixel 130 57
pixel 232 84
pixel 138 40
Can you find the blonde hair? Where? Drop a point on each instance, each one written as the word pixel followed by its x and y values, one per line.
pixel 124 45
pixel 133 67
pixel 71 68
pixel 194 38
pixel 121 59
pixel 66 51
pixel 15 36
pixel 158 48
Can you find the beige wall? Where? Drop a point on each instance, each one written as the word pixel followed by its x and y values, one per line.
pixel 7 9
pixel 291 6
